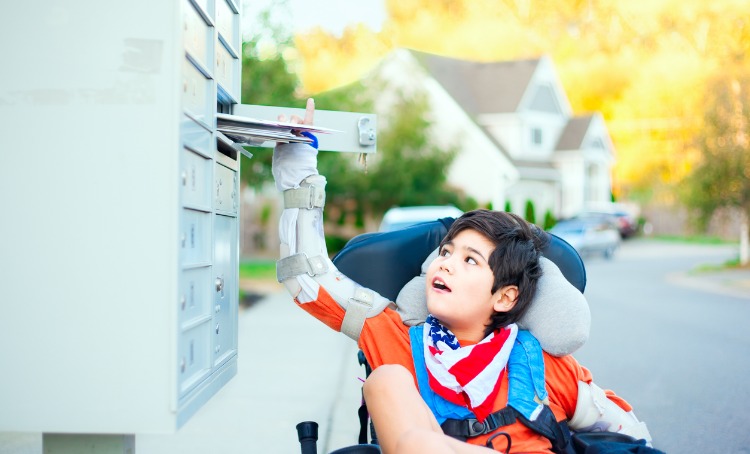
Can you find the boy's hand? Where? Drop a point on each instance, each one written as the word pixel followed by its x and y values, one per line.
pixel 309 115
pixel 293 162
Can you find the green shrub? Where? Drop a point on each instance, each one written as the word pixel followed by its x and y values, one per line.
pixel 530 215
pixel 549 220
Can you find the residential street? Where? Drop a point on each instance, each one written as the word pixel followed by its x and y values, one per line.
pixel 675 345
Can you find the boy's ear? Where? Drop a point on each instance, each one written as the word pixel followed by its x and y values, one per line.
pixel 506 298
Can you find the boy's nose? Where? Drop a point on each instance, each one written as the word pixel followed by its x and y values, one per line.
pixel 446 266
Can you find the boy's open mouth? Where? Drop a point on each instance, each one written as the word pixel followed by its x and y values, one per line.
pixel 438 284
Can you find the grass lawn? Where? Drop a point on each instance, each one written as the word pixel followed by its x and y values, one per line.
pixel 258 269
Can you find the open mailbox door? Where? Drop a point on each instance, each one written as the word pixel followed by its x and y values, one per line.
pixel 252 125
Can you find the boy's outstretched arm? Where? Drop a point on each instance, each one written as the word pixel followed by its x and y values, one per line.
pixel 304 265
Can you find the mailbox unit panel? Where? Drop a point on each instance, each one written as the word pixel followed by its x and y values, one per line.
pixel 127 230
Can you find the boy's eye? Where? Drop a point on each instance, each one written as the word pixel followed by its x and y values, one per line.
pixel 444 252
pixel 471 261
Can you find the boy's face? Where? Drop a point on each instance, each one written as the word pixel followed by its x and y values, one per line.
pixel 459 284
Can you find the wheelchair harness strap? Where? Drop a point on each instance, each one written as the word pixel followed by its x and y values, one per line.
pixel 526 397
pixel 546 424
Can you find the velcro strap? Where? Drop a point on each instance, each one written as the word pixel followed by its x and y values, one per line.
pixel 356 312
pixel 305 197
pixel 297 264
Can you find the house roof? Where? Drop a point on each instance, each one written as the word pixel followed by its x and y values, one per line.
pixel 574 133
pixel 482 88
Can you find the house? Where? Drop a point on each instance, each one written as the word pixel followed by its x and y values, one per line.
pixel 519 140
pixel 481 169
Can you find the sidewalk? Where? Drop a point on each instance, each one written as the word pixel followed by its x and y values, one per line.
pixel 291 368
pixel 729 282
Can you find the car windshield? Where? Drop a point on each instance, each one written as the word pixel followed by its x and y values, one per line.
pixel 568 229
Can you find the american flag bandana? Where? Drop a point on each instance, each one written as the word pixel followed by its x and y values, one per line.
pixel 468 376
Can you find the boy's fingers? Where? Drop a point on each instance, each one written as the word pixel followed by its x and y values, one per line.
pixel 309 111
pixel 295 119
pixel 282 118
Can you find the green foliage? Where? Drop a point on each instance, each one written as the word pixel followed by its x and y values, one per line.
pixel 508 208
pixel 722 176
pixel 407 170
pixel 266 80
pixel 335 243
pixel 410 169
pixel 258 269
pixel 529 212
pixel 549 220
pixel 470 203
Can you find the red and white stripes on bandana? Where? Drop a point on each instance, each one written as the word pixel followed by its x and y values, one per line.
pixel 468 376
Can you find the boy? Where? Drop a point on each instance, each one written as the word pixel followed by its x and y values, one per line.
pixel 482 282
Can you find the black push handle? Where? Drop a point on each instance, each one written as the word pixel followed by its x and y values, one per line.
pixel 307 432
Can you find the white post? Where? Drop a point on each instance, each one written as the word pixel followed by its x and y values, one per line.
pixel 744 240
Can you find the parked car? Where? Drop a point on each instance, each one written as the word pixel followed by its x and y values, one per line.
pixel 400 217
pixel 589 236
pixel 625 222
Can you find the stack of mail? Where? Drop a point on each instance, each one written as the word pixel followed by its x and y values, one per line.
pixel 253 132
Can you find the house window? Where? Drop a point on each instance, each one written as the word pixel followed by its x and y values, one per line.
pixel 536 136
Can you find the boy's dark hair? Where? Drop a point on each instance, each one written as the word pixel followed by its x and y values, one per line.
pixel 515 260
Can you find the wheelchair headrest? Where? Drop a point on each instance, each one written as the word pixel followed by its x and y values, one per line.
pixel 386 261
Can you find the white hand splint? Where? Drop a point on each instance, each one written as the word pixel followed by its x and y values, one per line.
pixel 304 265
pixel 596 413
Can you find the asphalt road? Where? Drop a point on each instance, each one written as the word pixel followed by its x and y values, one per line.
pixel 679 353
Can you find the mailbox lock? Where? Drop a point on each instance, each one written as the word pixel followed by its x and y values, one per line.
pixel 183 301
pixel 217 328
pixel 366 132
pixel 219 284
pixel 182 365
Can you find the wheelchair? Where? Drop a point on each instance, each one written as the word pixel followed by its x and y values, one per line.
pixel 386 262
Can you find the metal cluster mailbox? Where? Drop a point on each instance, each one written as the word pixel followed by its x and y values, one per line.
pixel 120 201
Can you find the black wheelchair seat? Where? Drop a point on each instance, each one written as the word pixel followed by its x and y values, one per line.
pixel 387 261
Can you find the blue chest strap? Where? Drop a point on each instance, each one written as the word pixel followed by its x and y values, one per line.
pixel 526 392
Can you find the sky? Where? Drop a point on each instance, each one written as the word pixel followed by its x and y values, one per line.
pixel 332 15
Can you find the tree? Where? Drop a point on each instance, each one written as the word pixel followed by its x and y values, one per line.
pixel 408 169
pixel 267 80
pixel 721 179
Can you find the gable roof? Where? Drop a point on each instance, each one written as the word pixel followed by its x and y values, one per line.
pixel 574 133
pixel 482 88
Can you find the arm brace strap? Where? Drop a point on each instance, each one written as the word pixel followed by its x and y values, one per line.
pixel 308 197
pixel 297 264
pixel 358 307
